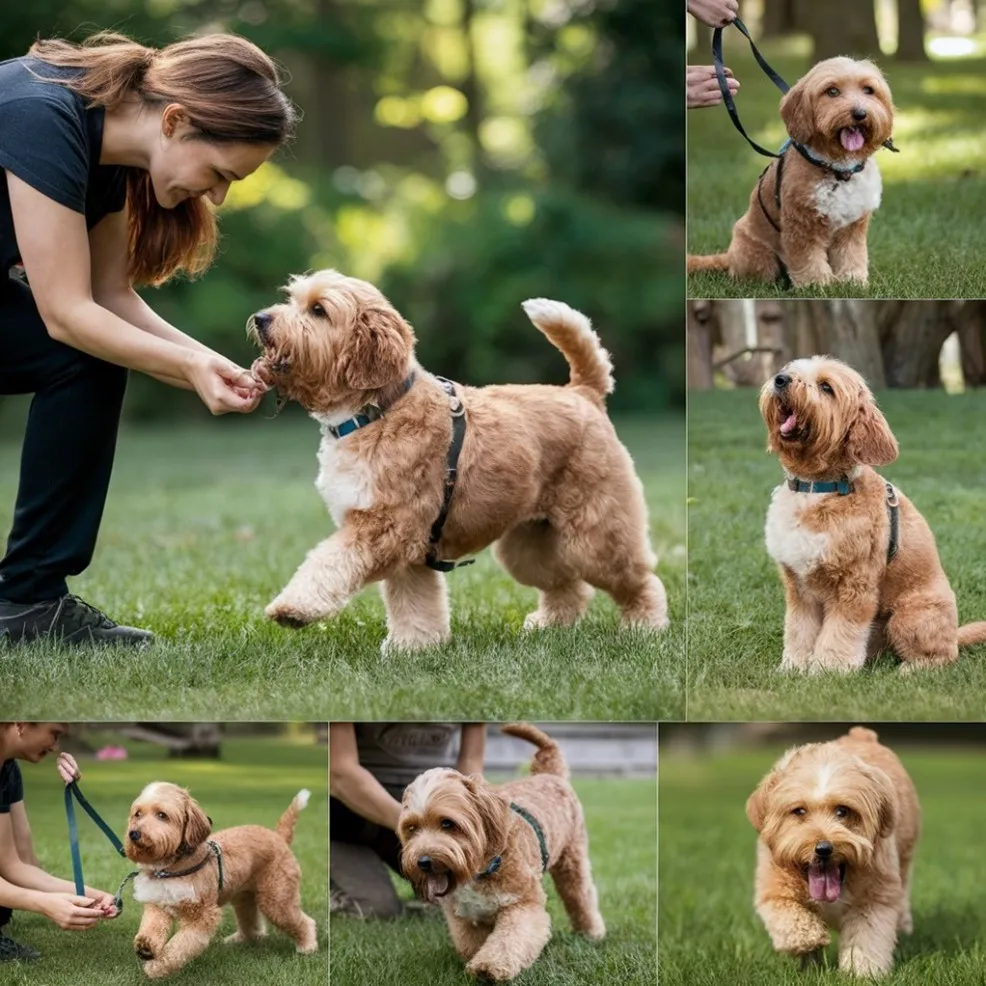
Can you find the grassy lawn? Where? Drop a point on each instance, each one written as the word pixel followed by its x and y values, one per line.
pixel 709 932
pixel 735 599
pixel 253 783
pixel 417 950
pixel 204 525
pixel 924 241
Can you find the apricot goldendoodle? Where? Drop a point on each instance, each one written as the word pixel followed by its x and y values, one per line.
pixel 541 470
pixel 185 876
pixel 837 824
pixel 480 851
pixel 811 208
pixel 859 563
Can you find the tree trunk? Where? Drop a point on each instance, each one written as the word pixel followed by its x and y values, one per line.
pixel 739 333
pixel 702 334
pixel 969 319
pixel 910 32
pixel 779 18
pixel 843 27
pixel 913 333
pixel 844 329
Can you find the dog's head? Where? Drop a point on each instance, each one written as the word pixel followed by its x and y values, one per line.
pixel 165 823
pixel 842 109
pixel 451 826
pixel 822 419
pixel 821 812
pixel 335 340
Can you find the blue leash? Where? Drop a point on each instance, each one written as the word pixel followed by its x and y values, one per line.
pixel 72 792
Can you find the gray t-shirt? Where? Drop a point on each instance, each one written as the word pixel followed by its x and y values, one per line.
pixel 396 752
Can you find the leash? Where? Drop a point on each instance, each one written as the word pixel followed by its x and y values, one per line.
pixel 72 794
pixel 458 411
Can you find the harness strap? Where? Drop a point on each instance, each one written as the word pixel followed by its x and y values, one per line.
pixel 72 792
pixel 538 831
pixel 216 851
pixel 893 506
pixel 451 474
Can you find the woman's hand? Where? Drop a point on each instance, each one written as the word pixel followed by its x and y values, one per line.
pixel 68 769
pixel 714 13
pixel 104 902
pixel 703 87
pixel 70 912
pixel 222 385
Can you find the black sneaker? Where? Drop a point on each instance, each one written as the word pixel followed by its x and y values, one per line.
pixel 68 620
pixel 11 951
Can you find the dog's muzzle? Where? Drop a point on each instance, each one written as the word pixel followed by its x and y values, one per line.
pixel 260 323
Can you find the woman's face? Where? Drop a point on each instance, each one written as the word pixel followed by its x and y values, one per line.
pixel 184 166
pixel 35 740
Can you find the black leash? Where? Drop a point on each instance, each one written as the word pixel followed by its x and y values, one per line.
pixel 458 410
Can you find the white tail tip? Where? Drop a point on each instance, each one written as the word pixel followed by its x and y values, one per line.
pixel 540 310
pixel 301 798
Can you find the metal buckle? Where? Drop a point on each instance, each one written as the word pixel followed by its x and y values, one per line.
pixel 892 500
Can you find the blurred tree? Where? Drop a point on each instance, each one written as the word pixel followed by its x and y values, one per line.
pixel 843 27
pixel 910 32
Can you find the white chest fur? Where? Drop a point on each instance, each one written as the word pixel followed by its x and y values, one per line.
pixel 164 893
pixel 344 480
pixel 789 541
pixel 843 202
pixel 473 903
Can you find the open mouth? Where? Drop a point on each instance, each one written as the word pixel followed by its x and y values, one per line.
pixel 789 427
pixel 438 885
pixel 852 138
pixel 825 879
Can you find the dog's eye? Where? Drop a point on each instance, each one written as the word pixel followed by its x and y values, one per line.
pixel 799 811
pixel 826 388
pixel 162 816
pixel 137 813
pixel 832 91
pixel 317 309
pixel 869 90
pixel 841 811
pixel 447 823
pixel 410 829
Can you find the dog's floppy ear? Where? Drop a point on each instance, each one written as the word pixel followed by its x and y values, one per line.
pixel 870 440
pixel 880 791
pixel 493 811
pixel 797 113
pixel 756 804
pixel 378 350
pixel 197 825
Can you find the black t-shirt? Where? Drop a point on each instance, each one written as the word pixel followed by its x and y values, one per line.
pixel 11 786
pixel 51 141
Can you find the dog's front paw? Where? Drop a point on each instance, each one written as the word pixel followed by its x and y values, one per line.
pixel 493 970
pixel 143 949
pixel 288 614
pixel 395 646
pixel 156 969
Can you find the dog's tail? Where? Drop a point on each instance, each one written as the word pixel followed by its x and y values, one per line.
pixel 972 633
pixel 287 821
pixel 589 364
pixel 863 734
pixel 696 263
pixel 548 759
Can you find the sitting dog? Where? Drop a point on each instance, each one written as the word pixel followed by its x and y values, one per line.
pixel 540 470
pixel 811 207
pixel 859 564
pixel 480 852
pixel 838 823
pixel 185 876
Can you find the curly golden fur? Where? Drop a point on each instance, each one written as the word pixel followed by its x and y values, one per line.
pixel 837 824
pixel 453 827
pixel 541 473
pixel 168 831
pixel 845 599
pixel 842 111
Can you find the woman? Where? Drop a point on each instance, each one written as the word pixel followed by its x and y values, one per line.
pixel 23 884
pixel 108 149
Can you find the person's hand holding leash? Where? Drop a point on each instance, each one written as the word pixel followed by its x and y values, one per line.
pixel 68 769
pixel 222 385
pixel 71 912
pixel 714 13
pixel 702 86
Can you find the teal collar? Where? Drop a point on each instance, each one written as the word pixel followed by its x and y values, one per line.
pixel 369 413
pixel 843 485
pixel 497 861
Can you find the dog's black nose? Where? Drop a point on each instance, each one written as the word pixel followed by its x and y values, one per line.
pixel 858 113
pixel 134 835
pixel 424 864
pixel 262 321
pixel 781 381
pixel 823 850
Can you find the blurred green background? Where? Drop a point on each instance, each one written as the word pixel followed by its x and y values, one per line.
pixel 462 154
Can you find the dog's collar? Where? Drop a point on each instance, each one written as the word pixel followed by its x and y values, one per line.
pixel 843 485
pixel 497 861
pixel 369 413
pixel 214 851
pixel 841 174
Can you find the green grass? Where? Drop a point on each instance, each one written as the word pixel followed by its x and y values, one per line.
pixel 708 931
pixel 417 950
pixel 204 525
pixel 735 599
pixel 925 239
pixel 252 784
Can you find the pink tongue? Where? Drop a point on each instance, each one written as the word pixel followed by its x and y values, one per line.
pixel 790 423
pixel 437 885
pixel 824 881
pixel 851 138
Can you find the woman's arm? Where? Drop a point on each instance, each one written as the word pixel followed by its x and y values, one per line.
pixel 472 748
pixel 354 785
pixel 60 279
pixel 22 834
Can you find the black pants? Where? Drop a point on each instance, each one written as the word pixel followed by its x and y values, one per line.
pixel 68 450
pixel 346 826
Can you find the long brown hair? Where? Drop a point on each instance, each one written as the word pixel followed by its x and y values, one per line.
pixel 231 92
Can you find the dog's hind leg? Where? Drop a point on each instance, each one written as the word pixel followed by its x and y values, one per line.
pixel 531 553
pixel 572 875
pixel 277 898
pixel 905 922
pixel 923 632
pixel 416 598
pixel 250 923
